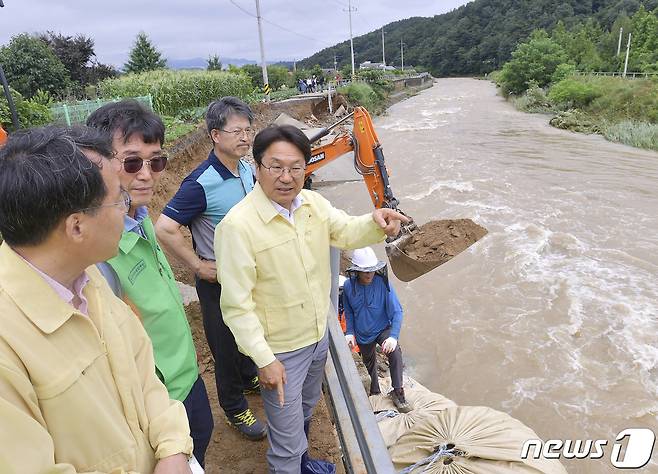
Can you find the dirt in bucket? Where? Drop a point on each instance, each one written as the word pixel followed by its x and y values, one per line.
pixel 441 240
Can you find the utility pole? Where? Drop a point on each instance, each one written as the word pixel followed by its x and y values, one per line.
pixel 383 52
pixel 628 50
pixel 294 65
pixel 350 10
pixel 10 100
pixel 335 64
pixel 621 30
pixel 263 64
pixel 402 54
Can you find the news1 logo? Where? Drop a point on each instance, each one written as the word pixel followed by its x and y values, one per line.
pixel 639 448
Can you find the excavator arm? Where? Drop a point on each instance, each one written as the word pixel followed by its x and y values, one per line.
pixel 368 156
pixel 369 162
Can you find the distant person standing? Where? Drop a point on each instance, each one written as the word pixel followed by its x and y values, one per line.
pixel 373 315
pixel 205 196
pixel 140 273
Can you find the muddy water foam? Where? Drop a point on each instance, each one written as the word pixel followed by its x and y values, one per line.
pixel 553 316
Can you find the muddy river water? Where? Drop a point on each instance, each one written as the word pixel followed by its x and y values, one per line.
pixel 553 316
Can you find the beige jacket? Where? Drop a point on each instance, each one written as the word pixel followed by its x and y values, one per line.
pixel 78 393
pixel 276 276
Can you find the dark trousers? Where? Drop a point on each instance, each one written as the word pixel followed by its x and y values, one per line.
pixel 369 356
pixel 200 419
pixel 234 371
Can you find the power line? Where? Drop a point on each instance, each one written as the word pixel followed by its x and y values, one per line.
pixel 242 9
pixel 295 33
pixel 279 26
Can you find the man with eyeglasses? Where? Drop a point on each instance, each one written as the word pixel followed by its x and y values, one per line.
pixel 78 389
pixel 273 262
pixel 204 198
pixel 140 274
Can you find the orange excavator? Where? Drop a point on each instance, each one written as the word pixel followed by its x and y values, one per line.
pixel 369 162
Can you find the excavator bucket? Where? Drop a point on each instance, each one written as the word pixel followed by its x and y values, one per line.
pixel 418 250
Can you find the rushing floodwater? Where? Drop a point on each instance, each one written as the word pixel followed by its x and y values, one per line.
pixel 553 316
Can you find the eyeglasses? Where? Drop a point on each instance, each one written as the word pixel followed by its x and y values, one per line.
pixel 276 170
pixel 238 132
pixel 125 202
pixel 134 164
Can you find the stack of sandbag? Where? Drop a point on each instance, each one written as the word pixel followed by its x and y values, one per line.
pixel 468 440
pixel 393 424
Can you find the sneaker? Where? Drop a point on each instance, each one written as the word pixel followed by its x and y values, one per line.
pixel 400 402
pixel 253 387
pixel 247 424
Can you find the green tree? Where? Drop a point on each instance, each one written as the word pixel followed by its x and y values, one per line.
pixel 644 42
pixel 31 112
pixel 144 56
pixel 255 74
pixel 279 76
pixel 534 61
pixel 98 72
pixel 480 36
pixel 276 75
pixel 31 65
pixel 214 64
pixel 609 42
pixel 74 52
pixel 572 92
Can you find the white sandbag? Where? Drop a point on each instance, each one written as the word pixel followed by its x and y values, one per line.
pixel 410 385
pixel 483 441
pixel 423 403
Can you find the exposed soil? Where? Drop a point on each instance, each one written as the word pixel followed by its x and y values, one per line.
pixel 230 452
pixel 442 240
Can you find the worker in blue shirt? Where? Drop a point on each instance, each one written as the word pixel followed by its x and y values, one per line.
pixel 373 316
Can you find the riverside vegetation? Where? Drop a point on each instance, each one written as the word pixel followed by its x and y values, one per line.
pixel 553 74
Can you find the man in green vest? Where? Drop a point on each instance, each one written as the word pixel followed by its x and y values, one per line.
pixel 140 273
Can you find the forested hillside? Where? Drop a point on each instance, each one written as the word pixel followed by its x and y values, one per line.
pixel 478 37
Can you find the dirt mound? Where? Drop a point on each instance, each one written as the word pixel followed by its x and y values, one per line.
pixel 442 240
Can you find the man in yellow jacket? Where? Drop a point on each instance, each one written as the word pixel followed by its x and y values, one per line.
pixel 78 388
pixel 272 253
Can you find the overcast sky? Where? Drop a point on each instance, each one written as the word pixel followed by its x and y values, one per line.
pixel 199 28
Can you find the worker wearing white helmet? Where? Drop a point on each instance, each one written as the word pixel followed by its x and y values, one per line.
pixel 374 316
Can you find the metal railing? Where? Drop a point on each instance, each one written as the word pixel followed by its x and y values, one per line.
pixel 364 449
pixel 75 113
pixel 629 75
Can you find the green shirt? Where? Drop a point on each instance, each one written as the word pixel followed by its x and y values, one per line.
pixel 147 280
